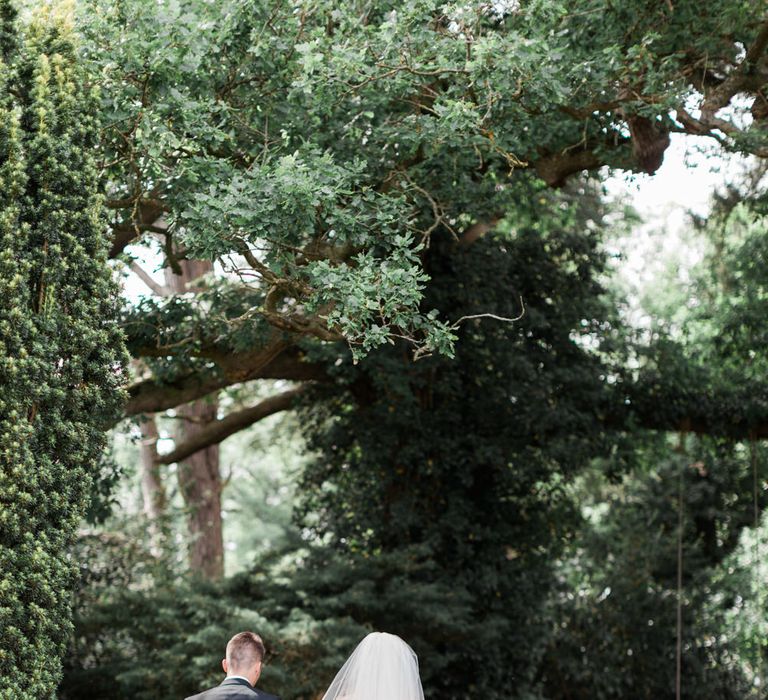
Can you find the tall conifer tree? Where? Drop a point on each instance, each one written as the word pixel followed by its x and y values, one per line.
pixel 61 354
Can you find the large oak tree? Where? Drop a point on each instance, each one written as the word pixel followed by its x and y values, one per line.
pixel 313 150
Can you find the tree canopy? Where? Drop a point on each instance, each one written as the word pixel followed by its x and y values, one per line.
pixel 314 150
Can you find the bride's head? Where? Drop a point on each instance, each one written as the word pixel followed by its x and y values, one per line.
pixel 382 667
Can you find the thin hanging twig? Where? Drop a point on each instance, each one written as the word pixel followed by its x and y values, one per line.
pixel 680 449
pixel 457 323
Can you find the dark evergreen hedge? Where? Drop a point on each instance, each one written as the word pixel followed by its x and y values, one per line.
pixel 61 353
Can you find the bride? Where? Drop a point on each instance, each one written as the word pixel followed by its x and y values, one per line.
pixel 382 667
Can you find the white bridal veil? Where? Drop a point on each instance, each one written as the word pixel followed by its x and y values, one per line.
pixel 382 667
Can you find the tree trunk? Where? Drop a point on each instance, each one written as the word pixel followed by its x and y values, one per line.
pixel 152 487
pixel 200 486
pixel 199 476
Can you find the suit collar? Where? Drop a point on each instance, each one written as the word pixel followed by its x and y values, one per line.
pixel 237 681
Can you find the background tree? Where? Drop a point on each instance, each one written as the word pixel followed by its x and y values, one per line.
pixel 683 506
pixel 615 613
pixel 459 465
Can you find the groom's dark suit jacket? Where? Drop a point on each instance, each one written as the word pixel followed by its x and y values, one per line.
pixel 234 689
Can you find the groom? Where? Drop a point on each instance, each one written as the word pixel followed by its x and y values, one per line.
pixel 245 652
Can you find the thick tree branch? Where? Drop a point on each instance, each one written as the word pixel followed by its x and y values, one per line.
pixel 122 236
pixel 555 168
pixel 733 427
pixel 302 325
pixel 738 79
pixel 736 413
pixel 241 366
pixel 151 396
pixel 703 425
pixel 213 433
pixel 133 203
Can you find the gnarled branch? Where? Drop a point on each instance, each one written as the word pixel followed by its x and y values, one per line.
pixel 738 80
pixel 555 168
pixel 478 230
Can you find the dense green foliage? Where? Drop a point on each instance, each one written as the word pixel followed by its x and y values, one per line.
pixel 60 348
pixel 440 484
pixel 481 508
pixel 325 142
pixel 369 179
pixel 464 461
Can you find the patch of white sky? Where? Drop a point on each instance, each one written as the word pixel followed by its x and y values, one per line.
pixel 149 257
pixel 134 289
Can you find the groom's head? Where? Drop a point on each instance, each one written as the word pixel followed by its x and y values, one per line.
pixel 245 652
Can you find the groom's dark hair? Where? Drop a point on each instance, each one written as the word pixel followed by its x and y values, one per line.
pixel 245 649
